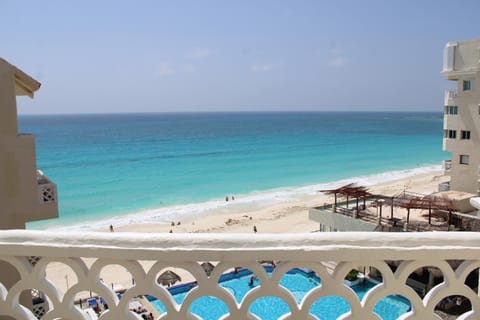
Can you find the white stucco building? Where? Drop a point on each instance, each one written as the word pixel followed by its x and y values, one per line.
pixel 461 129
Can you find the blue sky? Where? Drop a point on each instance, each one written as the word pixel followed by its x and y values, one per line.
pixel 155 56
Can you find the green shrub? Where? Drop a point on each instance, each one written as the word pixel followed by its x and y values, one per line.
pixel 352 275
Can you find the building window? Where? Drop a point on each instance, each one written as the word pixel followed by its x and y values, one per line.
pixel 465 135
pixel 467 85
pixel 451 110
pixel 464 159
pixel 450 134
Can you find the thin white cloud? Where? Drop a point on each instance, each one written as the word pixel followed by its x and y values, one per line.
pixel 337 62
pixel 199 53
pixel 188 68
pixel 164 69
pixel 336 58
pixel 266 67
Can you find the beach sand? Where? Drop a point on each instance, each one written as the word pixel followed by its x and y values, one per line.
pixel 290 216
pixel 287 217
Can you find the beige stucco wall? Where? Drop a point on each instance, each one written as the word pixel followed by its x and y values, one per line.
pixel 19 200
pixel 467 63
pixel 17 159
pixel 8 105
pixel 465 177
pixel 467 55
pixel 19 195
pixel 18 186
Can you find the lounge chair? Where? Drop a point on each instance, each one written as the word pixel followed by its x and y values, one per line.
pixel 92 302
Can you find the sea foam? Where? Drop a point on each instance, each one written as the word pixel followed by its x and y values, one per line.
pixel 242 203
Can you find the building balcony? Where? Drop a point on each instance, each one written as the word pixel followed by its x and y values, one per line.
pixel 452 121
pixel 47 190
pixel 444 186
pixel 113 272
pixel 447 165
pixel 47 201
pixel 450 98
pixel 449 144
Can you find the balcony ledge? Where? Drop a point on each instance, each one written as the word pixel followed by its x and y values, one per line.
pixel 95 244
pixel 129 250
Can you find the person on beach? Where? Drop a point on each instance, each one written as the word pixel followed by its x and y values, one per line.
pixel 226 198
pixel 254 228
pixel 233 198
pixel 111 228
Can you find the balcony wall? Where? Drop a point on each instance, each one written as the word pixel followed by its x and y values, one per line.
pixel 144 255
pixel 450 144
pixel 450 98
pixel 340 222
pixel 25 194
pixel 18 188
pixel 452 122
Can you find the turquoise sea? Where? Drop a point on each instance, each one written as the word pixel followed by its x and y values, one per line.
pixel 162 166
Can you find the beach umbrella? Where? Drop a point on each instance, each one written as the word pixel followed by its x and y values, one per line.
pixel 168 278
pixel 266 262
pixel 208 268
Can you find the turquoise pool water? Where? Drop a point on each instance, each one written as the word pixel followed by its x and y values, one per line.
pixel 269 308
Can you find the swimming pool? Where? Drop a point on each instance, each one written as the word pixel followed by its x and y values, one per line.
pixel 298 282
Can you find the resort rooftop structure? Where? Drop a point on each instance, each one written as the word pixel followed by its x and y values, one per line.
pixel 59 275
pixel 354 208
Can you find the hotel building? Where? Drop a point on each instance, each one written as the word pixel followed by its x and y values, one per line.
pixel 461 128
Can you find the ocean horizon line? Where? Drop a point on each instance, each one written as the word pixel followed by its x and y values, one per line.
pixel 209 112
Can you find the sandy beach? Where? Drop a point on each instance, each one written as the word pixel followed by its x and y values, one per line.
pixel 291 216
pixel 288 217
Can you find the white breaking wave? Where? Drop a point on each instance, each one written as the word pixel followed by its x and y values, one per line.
pixel 242 203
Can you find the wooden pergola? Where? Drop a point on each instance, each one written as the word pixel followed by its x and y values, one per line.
pixel 350 191
pixel 430 202
pixel 407 200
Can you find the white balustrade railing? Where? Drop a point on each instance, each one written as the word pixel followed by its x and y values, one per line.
pixel 87 257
